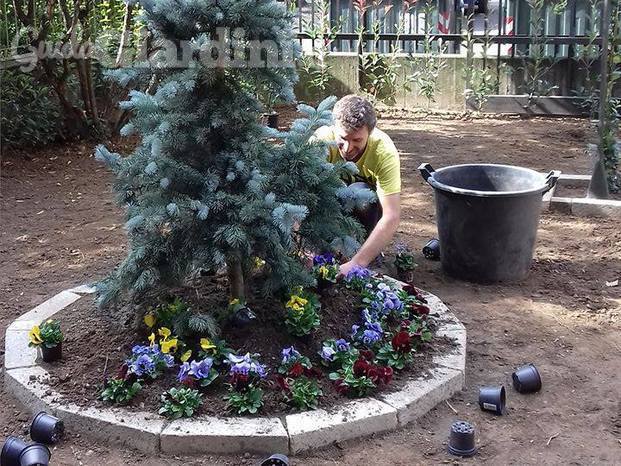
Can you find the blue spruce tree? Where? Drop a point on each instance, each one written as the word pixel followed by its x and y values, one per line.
pixel 209 187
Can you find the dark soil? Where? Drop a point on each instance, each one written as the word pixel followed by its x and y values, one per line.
pixel 97 343
pixel 59 228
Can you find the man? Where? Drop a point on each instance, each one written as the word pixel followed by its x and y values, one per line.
pixel 358 140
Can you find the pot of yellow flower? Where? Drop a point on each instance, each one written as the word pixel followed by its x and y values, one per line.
pixel 48 338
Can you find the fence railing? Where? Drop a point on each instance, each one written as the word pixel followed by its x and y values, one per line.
pixel 559 25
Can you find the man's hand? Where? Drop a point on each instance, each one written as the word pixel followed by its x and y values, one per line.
pixel 345 268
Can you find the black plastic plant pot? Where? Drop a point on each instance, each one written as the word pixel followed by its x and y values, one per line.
pixel 243 317
pixel 493 399
pixel 276 459
pixel 527 379
pixel 11 450
pixel 406 276
pixel 431 250
pixel 272 119
pixel 52 354
pixel 461 441
pixel 46 428
pixel 35 454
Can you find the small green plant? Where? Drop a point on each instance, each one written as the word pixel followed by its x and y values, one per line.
pixel 325 268
pixel 418 330
pixel 398 353
pixel 29 116
pixel 378 72
pixel 119 391
pixel 482 84
pixel 347 383
pixel 302 313
pixel 218 350
pixel 322 33
pixel 404 260
pixel 303 393
pixel 248 401
pixel 480 81
pixel 535 66
pixel 337 353
pixel 180 402
pixel 246 374
pixel 177 315
pixel 47 334
pixel 361 377
pixel 426 69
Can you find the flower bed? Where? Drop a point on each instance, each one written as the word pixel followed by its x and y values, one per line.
pixel 371 337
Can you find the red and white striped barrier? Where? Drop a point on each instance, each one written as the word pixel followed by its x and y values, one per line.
pixel 509 31
pixel 444 22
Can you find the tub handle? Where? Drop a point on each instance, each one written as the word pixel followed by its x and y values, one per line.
pixel 551 179
pixel 426 170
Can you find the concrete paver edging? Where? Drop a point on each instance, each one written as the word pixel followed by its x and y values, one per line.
pixel 294 433
pixel 580 206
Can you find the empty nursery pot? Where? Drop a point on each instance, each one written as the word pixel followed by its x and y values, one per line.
pixel 243 317
pixel 11 450
pixel 461 441
pixel 271 119
pixel 46 428
pixel 52 354
pixel 526 379
pixel 493 399
pixel 35 454
pixel 276 459
pixel 431 250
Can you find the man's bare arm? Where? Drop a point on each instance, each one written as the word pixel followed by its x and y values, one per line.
pixel 380 236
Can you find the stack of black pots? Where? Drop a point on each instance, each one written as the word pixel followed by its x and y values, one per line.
pixel 45 429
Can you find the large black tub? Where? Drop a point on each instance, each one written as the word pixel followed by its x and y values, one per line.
pixel 487 218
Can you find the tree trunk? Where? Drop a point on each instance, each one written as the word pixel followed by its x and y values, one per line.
pixel 127 26
pixel 236 279
pixel 598 187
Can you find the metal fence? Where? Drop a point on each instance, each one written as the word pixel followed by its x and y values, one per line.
pixel 510 27
pixel 496 28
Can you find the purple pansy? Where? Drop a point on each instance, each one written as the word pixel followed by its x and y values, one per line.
pixel 341 345
pixel 327 353
pixel 324 259
pixel 245 365
pixel 143 365
pixel 184 372
pixel 201 369
pixel 289 354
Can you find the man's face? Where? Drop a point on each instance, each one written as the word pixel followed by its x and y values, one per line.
pixel 351 142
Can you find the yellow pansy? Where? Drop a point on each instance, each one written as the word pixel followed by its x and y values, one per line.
pixel 35 335
pixel 164 332
pixel 169 345
pixel 185 356
pixel 296 303
pixel 324 271
pixel 258 262
pixel 152 339
pixel 206 345
pixel 149 319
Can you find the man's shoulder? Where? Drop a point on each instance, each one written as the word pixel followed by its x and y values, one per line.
pixel 324 133
pixel 383 142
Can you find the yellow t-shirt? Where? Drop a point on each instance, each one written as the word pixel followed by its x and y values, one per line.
pixel 379 164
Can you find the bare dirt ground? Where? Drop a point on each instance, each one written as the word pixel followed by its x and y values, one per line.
pixel 61 228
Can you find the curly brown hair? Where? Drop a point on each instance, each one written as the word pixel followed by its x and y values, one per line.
pixel 353 112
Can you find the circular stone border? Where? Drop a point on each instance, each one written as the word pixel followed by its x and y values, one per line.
pixel 292 433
